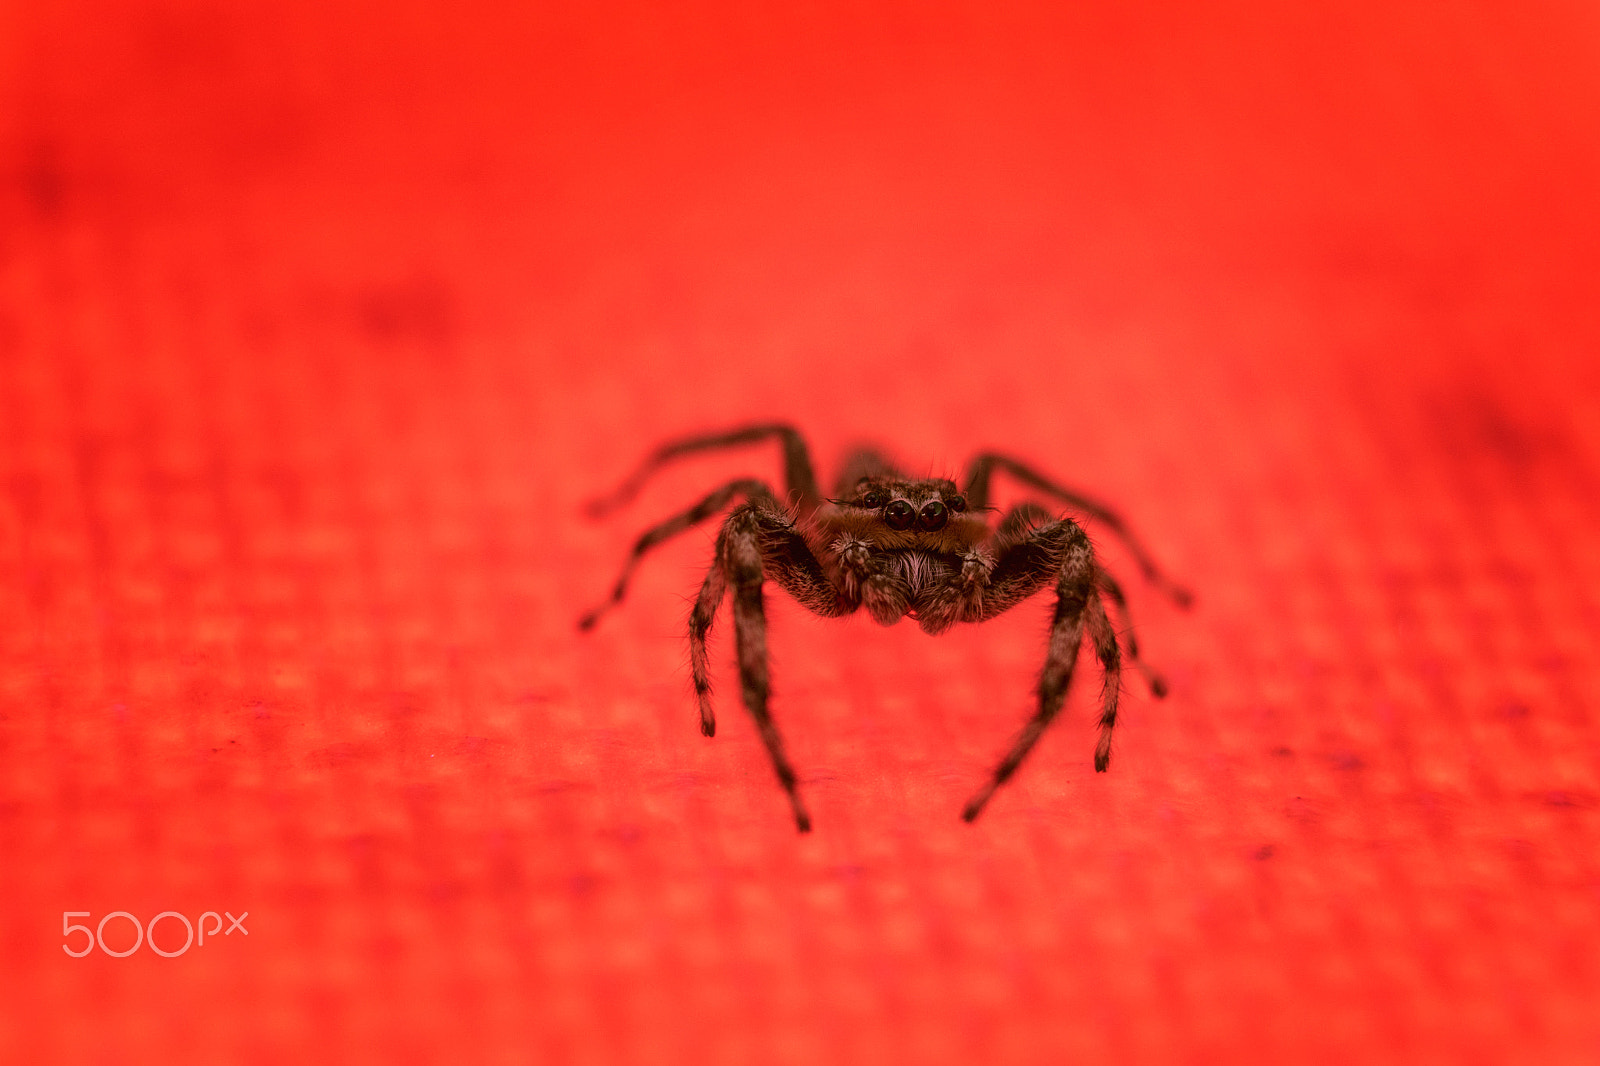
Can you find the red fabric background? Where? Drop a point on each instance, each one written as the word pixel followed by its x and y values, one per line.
pixel 318 323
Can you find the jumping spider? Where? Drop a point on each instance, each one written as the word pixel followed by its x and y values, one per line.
pixel 901 547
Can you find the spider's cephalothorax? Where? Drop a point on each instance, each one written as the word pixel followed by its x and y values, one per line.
pixel 902 548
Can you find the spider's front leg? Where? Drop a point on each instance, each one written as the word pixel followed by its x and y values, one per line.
pixel 1061 547
pixel 1015 529
pixel 757 541
pixel 741 557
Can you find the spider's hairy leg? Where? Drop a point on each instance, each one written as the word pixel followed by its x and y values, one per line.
pixel 1077 602
pixel 741 551
pixel 800 481
pixel 983 587
pixel 700 619
pixel 1113 592
pixel 664 531
pixel 1019 523
pixel 982 471
pixel 1026 555
pixel 1105 647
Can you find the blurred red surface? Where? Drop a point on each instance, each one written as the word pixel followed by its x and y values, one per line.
pixel 318 324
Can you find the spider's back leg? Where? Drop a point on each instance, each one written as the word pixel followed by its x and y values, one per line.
pixel 799 479
pixel 981 472
pixel 1152 676
pixel 665 531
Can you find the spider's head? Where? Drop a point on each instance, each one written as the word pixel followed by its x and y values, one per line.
pixel 904 506
pixel 909 512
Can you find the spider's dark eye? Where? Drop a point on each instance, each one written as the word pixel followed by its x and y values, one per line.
pixel 899 515
pixel 956 503
pixel 933 516
pixel 875 499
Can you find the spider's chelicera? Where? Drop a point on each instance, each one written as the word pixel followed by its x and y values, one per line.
pixel 901 547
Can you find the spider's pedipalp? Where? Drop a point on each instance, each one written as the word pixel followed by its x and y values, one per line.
pixel 867 580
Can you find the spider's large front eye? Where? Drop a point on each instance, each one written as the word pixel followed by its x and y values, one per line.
pixel 900 515
pixel 956 503
pixel 875 499
pixel 933 516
